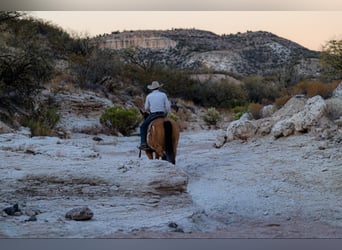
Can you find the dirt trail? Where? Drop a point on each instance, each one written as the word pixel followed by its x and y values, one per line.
pixel 263 188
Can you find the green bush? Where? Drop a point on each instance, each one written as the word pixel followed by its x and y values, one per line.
pixel 173 116
pixel 212 117
pixel 331 60
pixel 43 122
pixel 222 94
pixel 120 119
pixel 238 111
pixel 260 89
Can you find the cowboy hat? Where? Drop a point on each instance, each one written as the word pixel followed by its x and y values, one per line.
pixel 154 85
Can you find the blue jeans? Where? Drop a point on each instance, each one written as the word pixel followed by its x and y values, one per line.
pixel 144 125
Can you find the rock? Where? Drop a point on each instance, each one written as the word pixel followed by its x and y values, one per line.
pixel 79 214
pixel 155 177
pixel 312 112
pixel 323 146
pixel 338 91
pixel 291 107
pixel 96 138
pixel 338 122
pixel 298 115
pixel 220 140
pixel 31 213
pixel 302 121
pixel 32 218
pixel 4 129
pixel 80 112
pixel 13 211
pixel 283 128
pixel 264 126
pixel 173 225
pixel 241 129
pixel 267 111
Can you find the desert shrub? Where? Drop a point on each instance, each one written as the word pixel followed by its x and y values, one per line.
pixel 95 67
pixel 280 101
pixel 43 121
pixel 313 88
pixel 223 94
pixel 331 59
pixel 22 72
pixel 120 119
pixel 212 117
pixel 173 116
pixel 260 90
pixel 255 110
pixel 238 111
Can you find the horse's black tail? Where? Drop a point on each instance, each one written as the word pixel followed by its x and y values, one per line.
pixel 169 154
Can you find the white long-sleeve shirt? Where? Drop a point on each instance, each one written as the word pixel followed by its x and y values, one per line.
pixel 157 101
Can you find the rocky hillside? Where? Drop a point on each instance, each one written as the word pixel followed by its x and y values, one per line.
pixel 242 53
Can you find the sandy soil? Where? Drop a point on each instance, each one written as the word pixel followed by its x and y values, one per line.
pixel 262 188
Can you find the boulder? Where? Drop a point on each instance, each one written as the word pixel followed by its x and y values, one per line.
pixel 157 177
pixel 80 214
pixel 4 129
pixel 267 111
pixel 302 121
pixel 291 107
pixel 283 128
pixel 13 210
pixel 313 111
pixel 221 139
pixel 81 112
pixel 338 91
pixel 264 126
pixel 241 129
pixel 298 115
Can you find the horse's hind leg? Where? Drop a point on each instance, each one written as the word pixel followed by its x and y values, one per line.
pixel 158 156
pixel 149 154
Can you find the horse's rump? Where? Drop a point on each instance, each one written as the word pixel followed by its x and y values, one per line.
pixel 162 137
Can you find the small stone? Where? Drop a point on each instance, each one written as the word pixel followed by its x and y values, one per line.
pixel 79 214
pixel 30 151
pixel 32 212
pixel 179 230
pixel 173 225
pixel 13 211
pixel 32 218
pixel 96 138
pixel 322 147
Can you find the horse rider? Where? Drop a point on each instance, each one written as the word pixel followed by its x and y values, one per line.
pixel 158 105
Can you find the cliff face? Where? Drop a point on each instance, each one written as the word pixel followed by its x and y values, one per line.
pixel 135 39
pixel 243 53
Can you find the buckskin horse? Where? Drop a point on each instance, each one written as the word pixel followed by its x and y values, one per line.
pixel 162 138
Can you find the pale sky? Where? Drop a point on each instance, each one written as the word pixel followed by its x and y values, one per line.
pixel 311 29
pixel 173 5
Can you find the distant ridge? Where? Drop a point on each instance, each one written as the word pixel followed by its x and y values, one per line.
pixel 246 53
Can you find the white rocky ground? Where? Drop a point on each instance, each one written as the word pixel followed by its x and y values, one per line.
pixel 260 188
pixel 239 183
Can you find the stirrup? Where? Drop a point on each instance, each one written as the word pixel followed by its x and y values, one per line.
pixel 143 147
